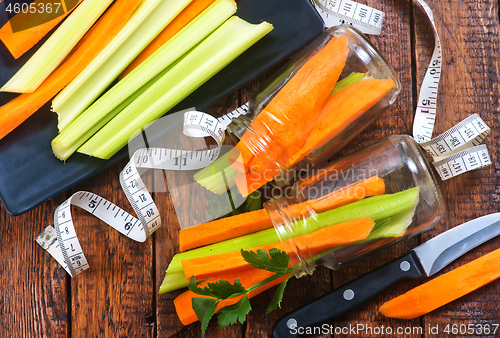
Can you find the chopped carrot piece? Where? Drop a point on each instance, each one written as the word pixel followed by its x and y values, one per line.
pixel 445 288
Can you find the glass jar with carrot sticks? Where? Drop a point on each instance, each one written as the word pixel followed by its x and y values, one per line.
pixel 353 207
pixel 308 111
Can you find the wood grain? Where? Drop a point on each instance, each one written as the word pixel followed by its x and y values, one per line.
pixel 33 287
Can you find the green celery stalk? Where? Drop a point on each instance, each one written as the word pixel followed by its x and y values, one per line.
pixel 211 177
pixel 174 282
pixel 396 227
pixel 136 82
pixel 377 208
pixel 149 19
pixel 349 80
pixel 57 47
pixel 198 66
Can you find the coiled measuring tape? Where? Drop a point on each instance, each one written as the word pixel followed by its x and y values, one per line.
pixel 456 151
pixel 459 149
pixel 61 240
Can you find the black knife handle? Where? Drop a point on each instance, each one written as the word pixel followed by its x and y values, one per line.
pixel 346 298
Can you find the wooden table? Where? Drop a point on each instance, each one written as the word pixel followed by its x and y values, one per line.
pixel 118 296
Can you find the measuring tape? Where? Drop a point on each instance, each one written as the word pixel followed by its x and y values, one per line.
pixel 456 151
pixel 61 240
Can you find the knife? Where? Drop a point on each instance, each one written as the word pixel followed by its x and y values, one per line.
pixel 423 261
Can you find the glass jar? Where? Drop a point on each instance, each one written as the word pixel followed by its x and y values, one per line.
pixel 290 125
pixel 365 202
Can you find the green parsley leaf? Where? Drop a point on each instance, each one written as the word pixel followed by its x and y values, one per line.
pixel 221 289
pixel 224 289
pixel 237 312
pixel 277 263
pixel 278 296
pixel 204 309
pixel 206 291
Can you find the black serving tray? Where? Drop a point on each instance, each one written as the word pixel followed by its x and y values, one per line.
pixel 30 174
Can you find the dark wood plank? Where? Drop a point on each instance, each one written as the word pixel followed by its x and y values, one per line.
pixel 33 287
pixel 469 33
pixel 114 297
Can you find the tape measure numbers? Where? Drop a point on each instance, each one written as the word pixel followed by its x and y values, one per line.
pixel 336 12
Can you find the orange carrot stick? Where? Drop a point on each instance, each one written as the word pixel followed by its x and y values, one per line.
pixel 253 221
pixel 248 277
pixel 19 109
pixel 445 288
pixel 340 110
pixel 20 41
pixel 185 17
pixel 314 243
pixel 299 100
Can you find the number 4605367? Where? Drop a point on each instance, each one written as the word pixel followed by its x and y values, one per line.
pixel 33 8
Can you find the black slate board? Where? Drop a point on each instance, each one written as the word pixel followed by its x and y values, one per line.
pixel 30 174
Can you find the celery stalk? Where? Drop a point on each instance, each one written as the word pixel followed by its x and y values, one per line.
pixel 57 47
pixel 376 207
pixel 174 282
pixel 396 227
pixel 198 66
pixel 349 80
pixel 126 91
pixel 211 177
pixel 148 20
pixel 63 145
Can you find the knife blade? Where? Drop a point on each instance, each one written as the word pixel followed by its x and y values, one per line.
pixel 421 262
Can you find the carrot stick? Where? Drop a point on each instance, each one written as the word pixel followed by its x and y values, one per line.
pixel 247 277
pixel 340 110
pixel 19 109
pixel 445 288
pixel 253 221
pixel 298 101
pixel 185 17
pixel 313 243
pixel 21 41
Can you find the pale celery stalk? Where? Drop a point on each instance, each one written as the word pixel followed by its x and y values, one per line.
pixel 112 102
pixel 377 208
pixel 148 20
pixel 174 282
pixel 349 80
pixel 198 66
pixel 57 47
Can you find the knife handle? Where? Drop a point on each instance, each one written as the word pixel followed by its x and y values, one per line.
pixel 349 296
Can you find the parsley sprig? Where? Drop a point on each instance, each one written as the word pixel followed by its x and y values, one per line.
pixel 275 261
